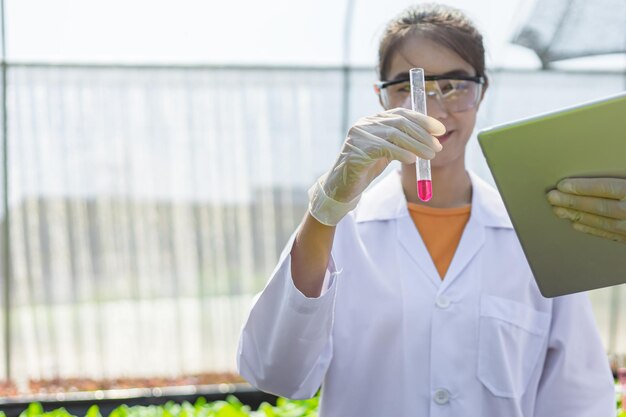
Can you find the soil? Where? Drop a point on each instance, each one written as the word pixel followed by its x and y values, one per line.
pixel 51 386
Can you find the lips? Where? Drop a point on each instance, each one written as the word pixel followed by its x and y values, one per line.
pixel 445 137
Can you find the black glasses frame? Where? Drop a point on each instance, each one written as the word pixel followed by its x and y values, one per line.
pixel 477 79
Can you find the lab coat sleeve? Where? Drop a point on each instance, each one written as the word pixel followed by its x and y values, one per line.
pixel 285 345
pixel 576 379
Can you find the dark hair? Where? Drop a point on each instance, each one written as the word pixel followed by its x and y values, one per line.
pixel 442 24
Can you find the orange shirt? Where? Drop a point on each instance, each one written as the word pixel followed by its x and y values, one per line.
pixel 441 230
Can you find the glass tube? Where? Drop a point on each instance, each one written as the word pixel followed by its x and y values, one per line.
pixel 418 103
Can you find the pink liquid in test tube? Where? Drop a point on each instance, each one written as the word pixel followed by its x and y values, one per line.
pixel 418 103
pixel 425 189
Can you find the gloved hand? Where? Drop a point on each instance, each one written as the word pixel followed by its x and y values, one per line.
pixel 371 144
pixel 595 205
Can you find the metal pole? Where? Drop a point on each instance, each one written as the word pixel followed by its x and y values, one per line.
pixel 347 32
pixel 5 166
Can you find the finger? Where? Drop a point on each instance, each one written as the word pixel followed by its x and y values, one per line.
pixel 600 206
pixel 598 232
pixel 591 220
pixel 614 188
pixel 407 142
pixel 374 147
pixel 416 131
pixel 432 125
pixel 422 136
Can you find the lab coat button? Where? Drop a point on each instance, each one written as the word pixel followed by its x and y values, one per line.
pixel 442 302
pixel 441 396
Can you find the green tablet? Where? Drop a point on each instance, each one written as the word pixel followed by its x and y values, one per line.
pixel 528 158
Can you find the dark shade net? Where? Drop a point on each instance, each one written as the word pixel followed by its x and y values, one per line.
pixel 563 29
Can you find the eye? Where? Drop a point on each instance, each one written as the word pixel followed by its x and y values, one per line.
pixel 446 87
pixel 462 86
pixel 402 88
pixel 454 89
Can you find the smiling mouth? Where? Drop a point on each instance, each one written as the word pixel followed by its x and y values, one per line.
pixel 445 137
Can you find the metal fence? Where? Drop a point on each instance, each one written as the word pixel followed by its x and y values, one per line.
pixel 147 205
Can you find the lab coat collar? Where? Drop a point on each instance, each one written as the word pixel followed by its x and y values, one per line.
pixel 386 201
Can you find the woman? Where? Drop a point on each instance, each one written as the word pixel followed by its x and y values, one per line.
pixel 403 308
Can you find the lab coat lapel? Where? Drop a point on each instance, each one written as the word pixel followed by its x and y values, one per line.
pixel 412 243
pixel 385 201
pixel 471 241
pixel 487 212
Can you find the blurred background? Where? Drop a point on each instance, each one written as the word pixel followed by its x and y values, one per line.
pixel 156 156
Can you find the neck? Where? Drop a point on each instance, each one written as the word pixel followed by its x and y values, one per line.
pixel 451 185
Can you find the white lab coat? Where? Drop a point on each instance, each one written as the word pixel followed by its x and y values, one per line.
pixel 389 338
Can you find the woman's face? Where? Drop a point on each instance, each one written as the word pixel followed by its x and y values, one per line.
pixel 435 59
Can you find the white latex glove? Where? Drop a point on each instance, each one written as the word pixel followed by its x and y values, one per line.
pixel 595 205
pixel 371 144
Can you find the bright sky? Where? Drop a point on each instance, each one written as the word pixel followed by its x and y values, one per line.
pixel 295 32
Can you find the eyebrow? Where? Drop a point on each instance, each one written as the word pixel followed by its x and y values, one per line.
pixel 453 73
pixel 401 76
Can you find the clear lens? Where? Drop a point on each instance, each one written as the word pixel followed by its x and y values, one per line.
pixel 458 95
pixel 455 95
pixel 396 95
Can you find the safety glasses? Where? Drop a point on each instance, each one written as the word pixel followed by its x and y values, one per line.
pixel 455 94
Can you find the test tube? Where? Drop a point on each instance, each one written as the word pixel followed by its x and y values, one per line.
pixel 418 103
